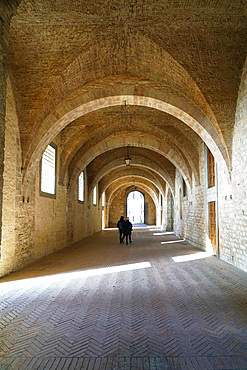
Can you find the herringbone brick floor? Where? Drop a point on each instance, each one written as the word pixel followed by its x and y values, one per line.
pixel 70 311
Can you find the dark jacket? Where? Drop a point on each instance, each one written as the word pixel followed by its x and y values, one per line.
pixel 128 227
pixel 121 224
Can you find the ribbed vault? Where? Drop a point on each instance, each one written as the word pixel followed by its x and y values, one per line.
pixel 135 183
pixel 96 79
pixel 167 173
pixel 142 173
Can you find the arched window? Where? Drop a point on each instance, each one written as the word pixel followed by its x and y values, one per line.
pixel 48 171
pixel 103 199
pixel 81 187
pixel 95 196
pixel 184 189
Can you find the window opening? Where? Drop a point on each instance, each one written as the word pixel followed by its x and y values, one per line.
pixel 95 196
pixel 135 207
pixel 184 189
pixel 81 187
pixel 48 171
pixel 103 199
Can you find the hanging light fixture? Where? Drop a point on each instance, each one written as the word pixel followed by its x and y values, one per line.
pixel 127 158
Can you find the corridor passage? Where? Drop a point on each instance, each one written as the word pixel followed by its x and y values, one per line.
pixel 154 304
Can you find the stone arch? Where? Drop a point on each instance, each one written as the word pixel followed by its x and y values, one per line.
pixel 137 184
pixel 74 150
pixel 126 186
pixel 161 172
pixel 144 175
pixel 138 140
pixel 145 60
pixel 207 136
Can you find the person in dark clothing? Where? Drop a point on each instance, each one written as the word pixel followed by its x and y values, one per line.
pixel 121 228
pixel 127 230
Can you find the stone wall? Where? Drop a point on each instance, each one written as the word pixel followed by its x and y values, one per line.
pixel 34 225
pixel 233 195
pixel 11 184
pixel 168 211
pixel 229 193
pixel 192 225
pixel 84 218
pixel 118 208
pixel 50 216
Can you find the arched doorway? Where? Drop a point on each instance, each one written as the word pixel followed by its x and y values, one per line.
pixel 135 207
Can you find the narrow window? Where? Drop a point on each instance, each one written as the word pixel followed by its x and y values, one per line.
pixel 81 187
pixel 180 203
pixel 95 196
pixel 211 170
pixel 184 189
pixel 48 171
pixel 103 199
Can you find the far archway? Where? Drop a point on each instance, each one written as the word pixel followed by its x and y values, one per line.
pixel 135 207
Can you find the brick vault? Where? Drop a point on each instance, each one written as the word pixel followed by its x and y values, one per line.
pixel 83 84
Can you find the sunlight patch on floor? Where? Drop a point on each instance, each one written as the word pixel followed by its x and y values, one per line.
pixel 191 257
pixel 164 233
pixel 29 282
pixel 174 241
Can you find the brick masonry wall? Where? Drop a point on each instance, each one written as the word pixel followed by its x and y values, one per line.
pixel 192 226
pixel 12 157
pixel 33 225
pixel 233 196
pixel 62 221
pixel 78 225
pixel 83 218
pixel 168 211
pixel 50 217
pixel 118 208
pixel 17 247
pixel 4 28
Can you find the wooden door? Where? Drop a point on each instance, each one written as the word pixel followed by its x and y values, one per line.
pixel 211 170
pixel 212 225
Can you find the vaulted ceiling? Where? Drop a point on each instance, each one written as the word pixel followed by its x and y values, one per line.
pixel 161 76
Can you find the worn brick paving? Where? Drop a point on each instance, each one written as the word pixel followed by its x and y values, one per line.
pixel 60 313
